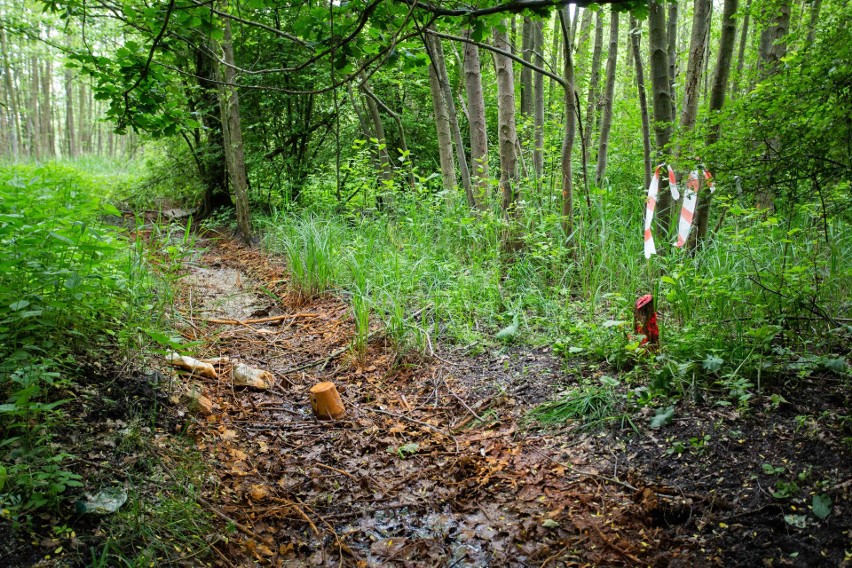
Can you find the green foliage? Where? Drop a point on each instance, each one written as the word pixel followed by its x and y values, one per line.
pixel 589 403
pixel 69 287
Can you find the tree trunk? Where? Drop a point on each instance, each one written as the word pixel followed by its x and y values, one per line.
pixel 538 102
pixel 233 135
pixel 48 132
pixel 13 111
pixel 35 116
pixel 507 135
pixel 635 37
pixel 697 49
pixel 661 102
pixel 593 84
pixel 385 167
pixel 70 139
pixel 437 56
pixel 609 92
pixel 442 127
pixel 671 52
pixel 211 153
pixel 717 101
pixel 569 133
pixel 735 88
pixel 771 50
pixel 476 119
pixel 812 25
pixel 527 47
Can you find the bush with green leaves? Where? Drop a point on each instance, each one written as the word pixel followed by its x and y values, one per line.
pixel 70 287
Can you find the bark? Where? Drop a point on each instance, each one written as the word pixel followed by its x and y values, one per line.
pixel 771 48
pixel 385 168
pixel 526 72
pixel 211 151
pixel 436 53
pixel 506 133
pixel 568 135
pixel 697 50
pixel 233 136
pixel 70 141
pixel 593 84
pixel 538 102
pixel 661 102
pixel 735 88
pixel 671 52
pixel 635 40
pixel 555 56
pixel 476 119
pixel 442 127
pixel 812 25
pixel 48 133
pixel 35 115
pixel 717 101
pixel 13 111
pixel 609 92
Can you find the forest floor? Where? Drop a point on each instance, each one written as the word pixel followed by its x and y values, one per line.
pixel 434 463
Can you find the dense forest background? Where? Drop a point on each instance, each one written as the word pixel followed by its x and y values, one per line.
pixel 485 166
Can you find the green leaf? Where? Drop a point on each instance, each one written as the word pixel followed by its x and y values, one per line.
pixel 712 363
pixel 663 417
pixel 821 506
pixel 19 305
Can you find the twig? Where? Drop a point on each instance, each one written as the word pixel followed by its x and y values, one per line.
pixel 301 513
pixel 259 320
pixel 241 527
pixel 614 546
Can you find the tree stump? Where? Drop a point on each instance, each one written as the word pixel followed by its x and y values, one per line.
pixel 645 321
pixel 326 402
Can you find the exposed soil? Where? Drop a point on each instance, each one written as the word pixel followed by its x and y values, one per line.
pixel 434 465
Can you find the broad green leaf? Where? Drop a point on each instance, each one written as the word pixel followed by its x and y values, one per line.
pixel 821 506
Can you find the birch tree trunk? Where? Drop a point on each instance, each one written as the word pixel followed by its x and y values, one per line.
pixel 538 102
pixel 671 52
pixel 717 101
pixel 506 131
pixel 526 72
pixel 662 105
pixel 437 56
pixel 735 88
pixel 593 85
pixel 609 92
pixel 476 119
pixel 48 132
pixel 697 50
pixel 442 127
pixel 635 39
pixel 569 133
pixel 233 135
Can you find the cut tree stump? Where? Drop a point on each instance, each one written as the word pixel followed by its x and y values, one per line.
pixel 326 401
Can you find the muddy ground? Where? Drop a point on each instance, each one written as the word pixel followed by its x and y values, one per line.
pixel 435 464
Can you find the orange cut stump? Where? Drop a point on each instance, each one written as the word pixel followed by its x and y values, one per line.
pixel 326 402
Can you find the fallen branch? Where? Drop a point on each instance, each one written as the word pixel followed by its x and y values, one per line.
pixel 258 320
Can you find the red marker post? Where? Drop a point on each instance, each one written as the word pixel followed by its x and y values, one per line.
pixel 645 321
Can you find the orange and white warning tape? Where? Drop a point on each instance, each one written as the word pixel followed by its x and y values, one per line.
pixel 687 212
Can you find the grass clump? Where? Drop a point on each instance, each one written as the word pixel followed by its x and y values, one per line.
pixel 588 403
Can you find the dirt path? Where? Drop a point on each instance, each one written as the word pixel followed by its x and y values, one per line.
pixel 432 465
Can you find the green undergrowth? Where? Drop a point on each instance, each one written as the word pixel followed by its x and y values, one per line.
pixel 766 298
pixel 78 296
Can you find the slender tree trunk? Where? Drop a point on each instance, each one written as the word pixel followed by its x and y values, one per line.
pixel 527 47
pixel 812 25
pixel 233 136
pixel 555 57
pixel 70 138
pixel 717 101
pixel 48 132
pixel 36 139
pixel 13 111
pixel 442 127
pixel 609 92
pixel 771 49
pixel 705 72
pixel 211 152
pixel 593 84
pixel 696 63
pixel 569 133
pixel 386 168
pixel 671 52
pixel 476 119
pixel 437 56
pixel 507 135
pixel 538 102
pixel 635 37
pixel 661 100
pixel 735 88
